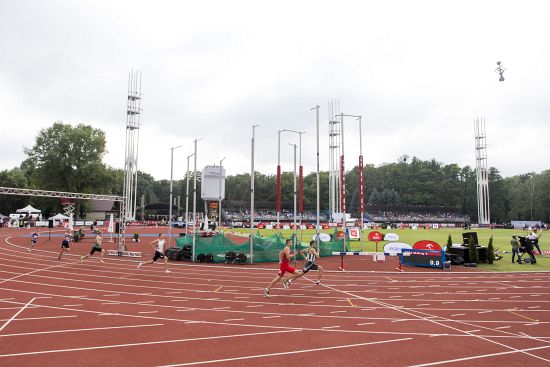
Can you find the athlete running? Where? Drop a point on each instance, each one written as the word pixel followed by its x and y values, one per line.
pixel 65 244
pixel 158 246
pixel 284 267
pixel 95 248
pixel 34 238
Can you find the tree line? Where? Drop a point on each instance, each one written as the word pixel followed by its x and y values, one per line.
pixel 69 158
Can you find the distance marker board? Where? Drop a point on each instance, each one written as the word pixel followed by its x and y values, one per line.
pixel 428 258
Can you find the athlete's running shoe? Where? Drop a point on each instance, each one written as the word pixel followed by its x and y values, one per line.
pixel 317 282
pixel 139 265
pixel 285 283
pixel 167 271
pixel 81 258
pixel 266 293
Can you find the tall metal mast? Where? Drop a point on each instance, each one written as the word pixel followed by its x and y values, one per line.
pixel 133 114
pixel 482 173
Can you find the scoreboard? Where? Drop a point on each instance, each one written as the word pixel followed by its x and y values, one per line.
pixel 428 258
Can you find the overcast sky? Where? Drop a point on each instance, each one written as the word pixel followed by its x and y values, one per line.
pixel 419 72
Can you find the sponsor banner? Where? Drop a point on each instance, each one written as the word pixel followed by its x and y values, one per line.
pixel 286 226
pixel 260 226
pixel 396 248
pixel 268 226
pixel 310 226
pixel 354 233
pixel 376 236
pixel 332 224
pixel 79 223
pixel 426 245
pixel 323 237
pixel 435 225
pixel 392 237
pixel 325 226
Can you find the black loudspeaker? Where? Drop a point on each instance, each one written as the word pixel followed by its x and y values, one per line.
pixel 50 223
pixel 117 228
pixel 466 238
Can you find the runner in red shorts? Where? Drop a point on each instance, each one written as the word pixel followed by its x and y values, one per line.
pixel 284 267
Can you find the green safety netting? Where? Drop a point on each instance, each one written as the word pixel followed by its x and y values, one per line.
pixel 265 249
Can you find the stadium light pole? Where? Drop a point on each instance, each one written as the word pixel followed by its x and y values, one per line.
pixel 194 199
pixel 252 192
pixel 171 199
pixel 187 193
pixel 294 231
pixel 317 234
pixel 220 197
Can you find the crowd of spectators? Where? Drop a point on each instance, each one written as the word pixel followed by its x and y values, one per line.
pixel 420 217
pixel 269 215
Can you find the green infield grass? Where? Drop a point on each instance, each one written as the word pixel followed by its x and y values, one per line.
pixel 501 242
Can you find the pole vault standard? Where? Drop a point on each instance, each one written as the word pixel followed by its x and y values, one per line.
pixel 316 108
pixel 194 199
pixel 294 194
pixel 252 192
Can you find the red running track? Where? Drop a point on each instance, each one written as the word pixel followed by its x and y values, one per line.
pixel 59 313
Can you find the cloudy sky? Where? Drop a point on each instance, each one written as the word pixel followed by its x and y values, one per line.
pixel 419 72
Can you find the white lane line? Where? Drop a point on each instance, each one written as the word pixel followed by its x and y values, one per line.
pixel 17 313
pixel 42 318
pixel 366 323
pixel 75 305
pixel 144 302
pixel 111 295
pixel 479 356
pixel 285 353
pixel 485 311
pixel 338 311
pixel 79 330
pixel 316 301
pixel 331 327
pixel 251 306
pixel 458 314
pixel 148 312
pixel 233 320
pixel 270 317
pixel 221 308
pixel 242 297
pixel 148 343
pixel 503 327
pixel 533 307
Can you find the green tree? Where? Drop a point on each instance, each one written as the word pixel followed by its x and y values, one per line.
pixel 449 244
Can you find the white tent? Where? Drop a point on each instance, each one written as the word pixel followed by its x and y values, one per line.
pixel 29 210
pixel 59 217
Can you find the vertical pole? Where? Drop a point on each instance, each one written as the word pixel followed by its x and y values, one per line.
pixel 343 182
pixel 170 208
pixel 278 194
pixel 171 197
pixel 252 195
pixel 187 194
pixel 361 185
pixel 317 240
pixel 220 198
pixel 294 232
pixel 194 200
